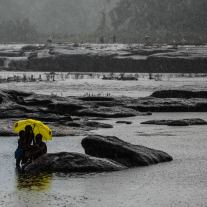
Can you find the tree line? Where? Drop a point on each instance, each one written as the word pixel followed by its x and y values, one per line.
pixel 20 30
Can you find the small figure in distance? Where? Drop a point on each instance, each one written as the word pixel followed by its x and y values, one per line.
pixel 49 40
pixel 114 39
pixel 102 39
pixel 40 148
pixel 19 153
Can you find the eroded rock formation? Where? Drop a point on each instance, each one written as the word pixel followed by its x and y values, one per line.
pixel 129 155
pixel 71 162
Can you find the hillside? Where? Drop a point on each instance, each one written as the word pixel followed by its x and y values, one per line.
pixel 162 18
pixel 57 16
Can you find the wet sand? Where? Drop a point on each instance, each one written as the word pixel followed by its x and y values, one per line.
pixel 182 182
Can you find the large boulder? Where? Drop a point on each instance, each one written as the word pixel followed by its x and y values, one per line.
pixel 71 162
pixel 129 155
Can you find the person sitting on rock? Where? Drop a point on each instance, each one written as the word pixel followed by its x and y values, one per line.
pixel 19 153
pixel 29 143
pixel 40 148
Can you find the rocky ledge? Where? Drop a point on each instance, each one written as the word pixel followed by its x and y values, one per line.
pixel 71 162
pixel 75 115
pixel 104 58
pixel 104 153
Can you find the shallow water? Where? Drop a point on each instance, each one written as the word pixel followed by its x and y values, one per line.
pixel 68 85
pixel 182 182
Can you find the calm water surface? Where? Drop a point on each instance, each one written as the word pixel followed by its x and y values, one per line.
pixel 182 182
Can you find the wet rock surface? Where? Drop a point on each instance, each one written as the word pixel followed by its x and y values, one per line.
pixel 129 155
pixel 58 112
pixel 181 122
pixel 103 153
pixel 71 162
pixel 103 58
pixel 184 61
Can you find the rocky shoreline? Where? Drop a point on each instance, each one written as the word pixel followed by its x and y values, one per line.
pixel 103 58
pixel 79 115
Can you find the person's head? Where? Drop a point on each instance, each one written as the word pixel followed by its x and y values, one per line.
pixel 38 138
pixel 28 128
pixel 22 134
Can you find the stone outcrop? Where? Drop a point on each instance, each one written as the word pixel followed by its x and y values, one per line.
pixel 71 162
pixel 102 154
pixel 107 58
pixel 58 112
pixel 182 61
pixel 179 94
pixel 129 155
pixel 180 122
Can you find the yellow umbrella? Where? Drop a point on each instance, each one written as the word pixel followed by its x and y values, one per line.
pixel 37 126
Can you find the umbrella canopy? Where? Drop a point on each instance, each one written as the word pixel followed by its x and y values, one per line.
pixel 37 126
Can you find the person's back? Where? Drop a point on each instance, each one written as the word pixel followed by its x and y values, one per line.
pixel 19 153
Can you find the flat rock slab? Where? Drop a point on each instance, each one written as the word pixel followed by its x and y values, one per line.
pixel 180 122
pixel 126 154
pixel 179 94
pixel 71 162
pixel 124 122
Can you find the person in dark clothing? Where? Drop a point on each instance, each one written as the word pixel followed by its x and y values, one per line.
pixel 19 153
pixel 102 39
pixel 40 148
pixel 114 39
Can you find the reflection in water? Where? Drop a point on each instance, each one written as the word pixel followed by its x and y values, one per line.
pixel 33 182
pixel 32 188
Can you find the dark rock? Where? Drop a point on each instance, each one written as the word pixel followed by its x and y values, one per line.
pixel 122 152
pixel 123 122
pixel 178 123
pixel 195 121
pixel 97 124
pixel 181 122
pixel 76 45
pixel 107 112
pixel 33 47
pixel 65 107
pixel 179 94
pixel 37 101
pixel 184 61
pixel 127 78
pixel 71 162
pixel 93 58
pixel 11 53
pixel 97 98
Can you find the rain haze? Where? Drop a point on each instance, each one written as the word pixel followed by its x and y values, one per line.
pixel 115 95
